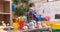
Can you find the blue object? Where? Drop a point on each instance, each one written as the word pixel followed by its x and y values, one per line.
pixel 9 29
pixel 40 18
pixel 13 8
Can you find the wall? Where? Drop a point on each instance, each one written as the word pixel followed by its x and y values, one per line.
pixel 50 8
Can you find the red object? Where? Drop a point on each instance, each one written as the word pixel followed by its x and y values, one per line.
pixel 21 24
pixel 5 29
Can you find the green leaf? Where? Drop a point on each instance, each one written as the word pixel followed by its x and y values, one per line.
pixel 15 1
pixel 24 1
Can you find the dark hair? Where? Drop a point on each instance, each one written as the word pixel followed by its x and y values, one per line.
pixel 31 4
pixel 13 20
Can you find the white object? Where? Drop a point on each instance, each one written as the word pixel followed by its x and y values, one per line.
pixel 50 0
pixel 25 27
pixel 3 24
pixel 2 31
pixel 31 25
pixel 35 24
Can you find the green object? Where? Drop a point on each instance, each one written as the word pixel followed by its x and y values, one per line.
pixel 25 19
pixel 55 30
pixel 24 1
pixel 15 1
pixel 19 11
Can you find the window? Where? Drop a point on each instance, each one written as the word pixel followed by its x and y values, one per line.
pixel 57 16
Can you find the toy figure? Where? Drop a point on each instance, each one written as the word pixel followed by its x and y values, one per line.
pixel 32 24
pixel 15 23
pixel 22 20
pixel 41 25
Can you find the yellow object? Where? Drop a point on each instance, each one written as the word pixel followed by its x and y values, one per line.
pixel 15 25
pixel 21 18
pixel 55 26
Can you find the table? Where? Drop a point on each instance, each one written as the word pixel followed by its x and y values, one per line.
pixel 29 30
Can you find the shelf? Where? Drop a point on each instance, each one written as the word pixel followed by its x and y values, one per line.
pixel 4 13
pixel 6 7
pixel 5 18
pixel 1 1
pixel 7 0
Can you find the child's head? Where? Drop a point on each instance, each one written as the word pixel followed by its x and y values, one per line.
pixel 15 20
pixel 31 5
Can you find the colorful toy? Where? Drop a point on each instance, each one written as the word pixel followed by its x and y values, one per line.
pixel 32 24
pixel 44 24
pixel 21 25
pixel 35 24
pixel 10 28
pixel 47 18
pixel 40 18
pixel 41 25
pixel 22 20
pixel 25 19
pixel 15 23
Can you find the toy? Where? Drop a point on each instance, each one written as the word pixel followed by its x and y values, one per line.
pixel 21 25
pixel 4 24
pixel 10 28
pixel 25 19
pixel 40 18
pixel 15 24
pixel 22 20
pixel 5 29
pixel 44 24
pixel 25 27
pixel 32 24
pixel 47 18
pixel 39 25
pixel 35 24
